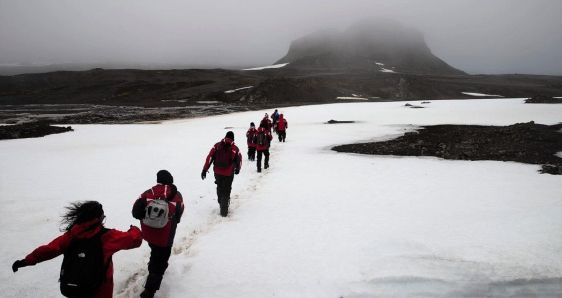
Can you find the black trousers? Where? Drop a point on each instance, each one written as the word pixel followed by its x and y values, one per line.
pixel 157 265
pixel 266 161
pixel 251 153
pixel 282 135
pixel 224 186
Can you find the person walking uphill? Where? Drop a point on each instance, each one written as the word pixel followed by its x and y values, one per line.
pixel 160 209
pixel 263 140
pixel 87 267
pixel 282 126
pixel 250 142
pixel 227 161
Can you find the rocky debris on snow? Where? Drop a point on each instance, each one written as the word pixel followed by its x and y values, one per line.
pixel 425 102
pixel 332 121
pixel 411 106
pixel 30 130
pixel 543 99
pixel 523 142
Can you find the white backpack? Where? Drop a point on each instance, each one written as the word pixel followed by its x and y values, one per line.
pixel 156 213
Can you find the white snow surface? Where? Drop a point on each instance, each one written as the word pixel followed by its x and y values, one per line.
pixel 268 67
pixel 317 223
pixel 238 89
pixel 479 94
pixel 386 70
pixel 379 64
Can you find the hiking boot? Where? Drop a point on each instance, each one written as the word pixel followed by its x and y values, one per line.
pixel 147 294
pixel 266 166
pixel 259 170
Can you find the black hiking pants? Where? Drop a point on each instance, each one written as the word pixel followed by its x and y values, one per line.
pixel 266 161
pixel 224 186
pixel 252 153
pixel 282 135
pixel 157 265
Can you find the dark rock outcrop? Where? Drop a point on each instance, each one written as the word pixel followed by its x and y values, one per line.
pixel 522 142
pixel 30 130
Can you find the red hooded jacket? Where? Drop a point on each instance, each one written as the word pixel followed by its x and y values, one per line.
pixel 236 158
pixel 268 137
pixel 112 242
pixel 282 124
pixel 250 137
pixel 163 237
pixel 266 122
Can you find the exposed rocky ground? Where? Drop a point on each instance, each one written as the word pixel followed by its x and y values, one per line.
pixel 30 130
pixel 370 61
pixel 523 142
pixel 543 99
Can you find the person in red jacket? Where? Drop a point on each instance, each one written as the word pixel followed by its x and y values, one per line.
pixel 160 239
pixel 227 161
pixel 266 122
pixel 250 142
pixel 84 220
pixel 263 140
pixel 282 126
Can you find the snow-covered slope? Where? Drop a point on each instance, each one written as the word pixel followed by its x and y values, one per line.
pixel 316 224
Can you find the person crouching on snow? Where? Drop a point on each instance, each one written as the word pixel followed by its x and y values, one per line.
pixel 85 237
pixel 160 209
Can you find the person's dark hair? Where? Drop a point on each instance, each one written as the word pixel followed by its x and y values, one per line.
pixel 80 212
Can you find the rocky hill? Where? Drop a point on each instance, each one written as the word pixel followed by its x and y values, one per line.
pixel 374 44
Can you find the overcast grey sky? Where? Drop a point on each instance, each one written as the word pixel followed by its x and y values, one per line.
pixel 478 36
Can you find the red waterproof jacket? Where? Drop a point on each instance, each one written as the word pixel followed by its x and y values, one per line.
pixel 266 122
pixel 268 137
pixel 235 158
pixel 282 124
pixel 112 242
pixel 163 237
pixel 250 137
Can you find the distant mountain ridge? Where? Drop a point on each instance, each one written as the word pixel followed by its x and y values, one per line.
pixel 373 44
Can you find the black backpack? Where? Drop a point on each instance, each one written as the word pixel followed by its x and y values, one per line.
pixel 261 139
pixel 223 156
pixel 83 269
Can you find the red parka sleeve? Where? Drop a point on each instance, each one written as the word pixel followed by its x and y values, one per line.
pixel 115 240
pixel 49 251
pixel 209 159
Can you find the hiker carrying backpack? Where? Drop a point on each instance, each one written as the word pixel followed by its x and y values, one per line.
pixel 159 209
pixel 87 267
pixel 263 139
pixel 227 161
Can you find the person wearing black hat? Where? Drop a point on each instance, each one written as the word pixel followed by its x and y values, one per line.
pixel 159 209
pixel 227 161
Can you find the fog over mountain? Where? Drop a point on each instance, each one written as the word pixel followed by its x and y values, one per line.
pixel 476 36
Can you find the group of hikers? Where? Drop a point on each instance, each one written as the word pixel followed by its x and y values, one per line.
pixel 227 159
pixel 88 246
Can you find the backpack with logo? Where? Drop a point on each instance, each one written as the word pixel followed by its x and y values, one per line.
pixel 223 156
pixel 261 138
pixel 83 268
pixel 156 213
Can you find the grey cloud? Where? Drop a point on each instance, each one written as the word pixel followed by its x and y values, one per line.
pixel 478 36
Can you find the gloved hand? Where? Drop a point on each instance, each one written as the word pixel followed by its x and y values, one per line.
pixel 236 171
pixel 203 174
pixel 18 264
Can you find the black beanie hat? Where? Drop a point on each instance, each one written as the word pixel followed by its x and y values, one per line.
pixel 164 177
pixel 252 124
pixel 230 135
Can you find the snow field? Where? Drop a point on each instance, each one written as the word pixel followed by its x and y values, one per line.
pixel 317 223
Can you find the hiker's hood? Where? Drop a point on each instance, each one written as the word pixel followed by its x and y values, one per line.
pixel 162 190
pixel 228 141
pixel 86 229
